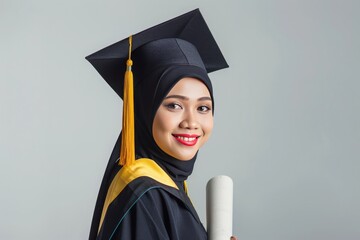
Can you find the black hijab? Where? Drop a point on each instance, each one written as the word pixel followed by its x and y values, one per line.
pixel 158 72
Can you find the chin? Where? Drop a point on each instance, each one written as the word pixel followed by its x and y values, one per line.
pixel 185 159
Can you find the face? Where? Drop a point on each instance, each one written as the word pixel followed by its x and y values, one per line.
pixel 184 120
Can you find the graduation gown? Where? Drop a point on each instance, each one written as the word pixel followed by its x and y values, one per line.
pixel 143 202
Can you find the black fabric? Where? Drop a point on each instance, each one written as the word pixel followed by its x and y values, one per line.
pixel 147 209
pixel 191 27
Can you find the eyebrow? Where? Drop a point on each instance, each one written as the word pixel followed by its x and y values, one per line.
pixel 186 98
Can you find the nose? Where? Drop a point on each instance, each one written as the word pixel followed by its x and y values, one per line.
pixel 189 121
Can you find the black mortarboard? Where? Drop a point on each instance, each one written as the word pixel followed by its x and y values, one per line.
pixel 191 27
pixel 178 48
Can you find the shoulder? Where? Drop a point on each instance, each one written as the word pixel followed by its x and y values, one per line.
pixel 148 186
pixel 142 183
pixel 142 196
pixel 139 177
pixel 140 193
pixel 145 167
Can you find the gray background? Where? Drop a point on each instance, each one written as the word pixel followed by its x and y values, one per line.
pixel 287 114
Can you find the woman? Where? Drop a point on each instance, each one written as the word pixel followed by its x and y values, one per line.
pixel 173 108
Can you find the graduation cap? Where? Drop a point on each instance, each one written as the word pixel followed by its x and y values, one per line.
pixel 182 41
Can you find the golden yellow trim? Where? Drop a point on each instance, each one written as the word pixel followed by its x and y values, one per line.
pixel 186 187
pixel 143 167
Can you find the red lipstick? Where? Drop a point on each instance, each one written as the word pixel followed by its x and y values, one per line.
pixel 187 139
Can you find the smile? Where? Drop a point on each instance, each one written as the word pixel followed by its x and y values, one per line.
pixel 187 139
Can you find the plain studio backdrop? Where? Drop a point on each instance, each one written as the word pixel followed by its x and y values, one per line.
pixel 287 121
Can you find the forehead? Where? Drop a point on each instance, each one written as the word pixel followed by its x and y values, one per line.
pixel 190 87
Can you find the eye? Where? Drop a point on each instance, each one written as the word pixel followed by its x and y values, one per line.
pixel 173 106
pixel 204 109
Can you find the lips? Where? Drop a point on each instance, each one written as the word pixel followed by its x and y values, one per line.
pixel 187 139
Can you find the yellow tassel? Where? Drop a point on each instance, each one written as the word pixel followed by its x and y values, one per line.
pixel 127 153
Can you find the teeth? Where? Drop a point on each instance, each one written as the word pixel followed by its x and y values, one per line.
pixel 186 139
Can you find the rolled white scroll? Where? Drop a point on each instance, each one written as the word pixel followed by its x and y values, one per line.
pixel 219 208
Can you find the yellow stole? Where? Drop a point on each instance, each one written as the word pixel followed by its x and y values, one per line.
pixel 143 167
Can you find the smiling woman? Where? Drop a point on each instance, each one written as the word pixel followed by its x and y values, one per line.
pixel 184 120
pixel 143 194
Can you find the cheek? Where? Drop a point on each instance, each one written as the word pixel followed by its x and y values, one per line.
pixel 160 123
pixel 157 128
pixel 207 126
pixel 163 125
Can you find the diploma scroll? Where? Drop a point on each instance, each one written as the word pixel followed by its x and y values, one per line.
pixel 219 208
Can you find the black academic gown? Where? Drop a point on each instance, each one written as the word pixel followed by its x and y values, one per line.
pixel 150 206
